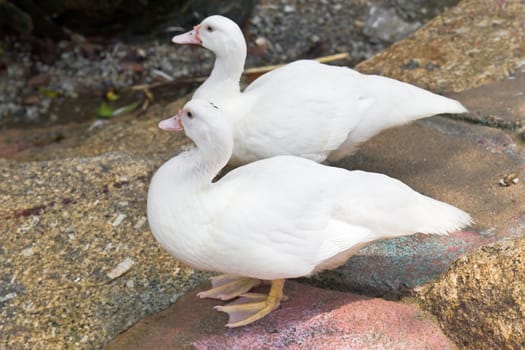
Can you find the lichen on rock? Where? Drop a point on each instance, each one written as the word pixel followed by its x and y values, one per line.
pixel 480 301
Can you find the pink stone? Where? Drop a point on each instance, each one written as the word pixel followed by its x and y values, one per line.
pixel 312 318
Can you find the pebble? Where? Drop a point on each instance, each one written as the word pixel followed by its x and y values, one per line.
pixel 387 26
pixel 289 9
pixel 118 220
pixel 7 297
pixel 140 223
pixel 27 252
pixel 509 179
pixel 121 268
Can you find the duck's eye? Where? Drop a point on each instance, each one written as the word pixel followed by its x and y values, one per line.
pixel 190 115
pixel 209 28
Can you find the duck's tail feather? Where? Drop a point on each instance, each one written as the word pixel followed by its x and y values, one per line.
pixel 393 103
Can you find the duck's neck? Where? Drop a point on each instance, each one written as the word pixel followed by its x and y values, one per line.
pixel 226 73
pixel 228 67
pixel 193 170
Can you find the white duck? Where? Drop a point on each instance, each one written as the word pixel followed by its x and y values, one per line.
pixel 277 218
pixel 305 108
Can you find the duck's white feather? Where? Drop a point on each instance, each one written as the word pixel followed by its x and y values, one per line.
pixel 305 214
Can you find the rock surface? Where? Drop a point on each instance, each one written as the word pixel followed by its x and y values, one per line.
pixel 312 318
pixel 445 159
pixel 500 104
pixel 480 300
pixel 78 262
pixel 472 44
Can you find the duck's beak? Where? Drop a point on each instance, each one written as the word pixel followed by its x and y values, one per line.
pixel 191 37
pixel 172 124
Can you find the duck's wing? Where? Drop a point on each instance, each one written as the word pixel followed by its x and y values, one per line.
pixel 289 215
pixel 304 108
pixel 270 224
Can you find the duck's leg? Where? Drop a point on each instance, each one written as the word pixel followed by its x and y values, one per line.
pixel 226 287
pixel 253 306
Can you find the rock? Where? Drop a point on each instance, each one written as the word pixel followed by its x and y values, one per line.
pixel 412 10
pixel 79 264
pixel 456 162
pixel 39 80
pixel 387 26
pixel 453 161
pixel 472 44
pixel 312 318
pixel 46 50
pixel 31 99
pixel 90 50
pixel 480 300
pixel 132 66
pixel 500 104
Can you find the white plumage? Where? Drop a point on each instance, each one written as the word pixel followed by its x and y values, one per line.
pixel 305 108
pixel 276 218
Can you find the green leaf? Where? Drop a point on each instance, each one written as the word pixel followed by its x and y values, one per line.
pixel 104 111
pixel 125 109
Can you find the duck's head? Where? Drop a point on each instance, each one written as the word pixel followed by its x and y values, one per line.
pixel 216 33
pixel 202 121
